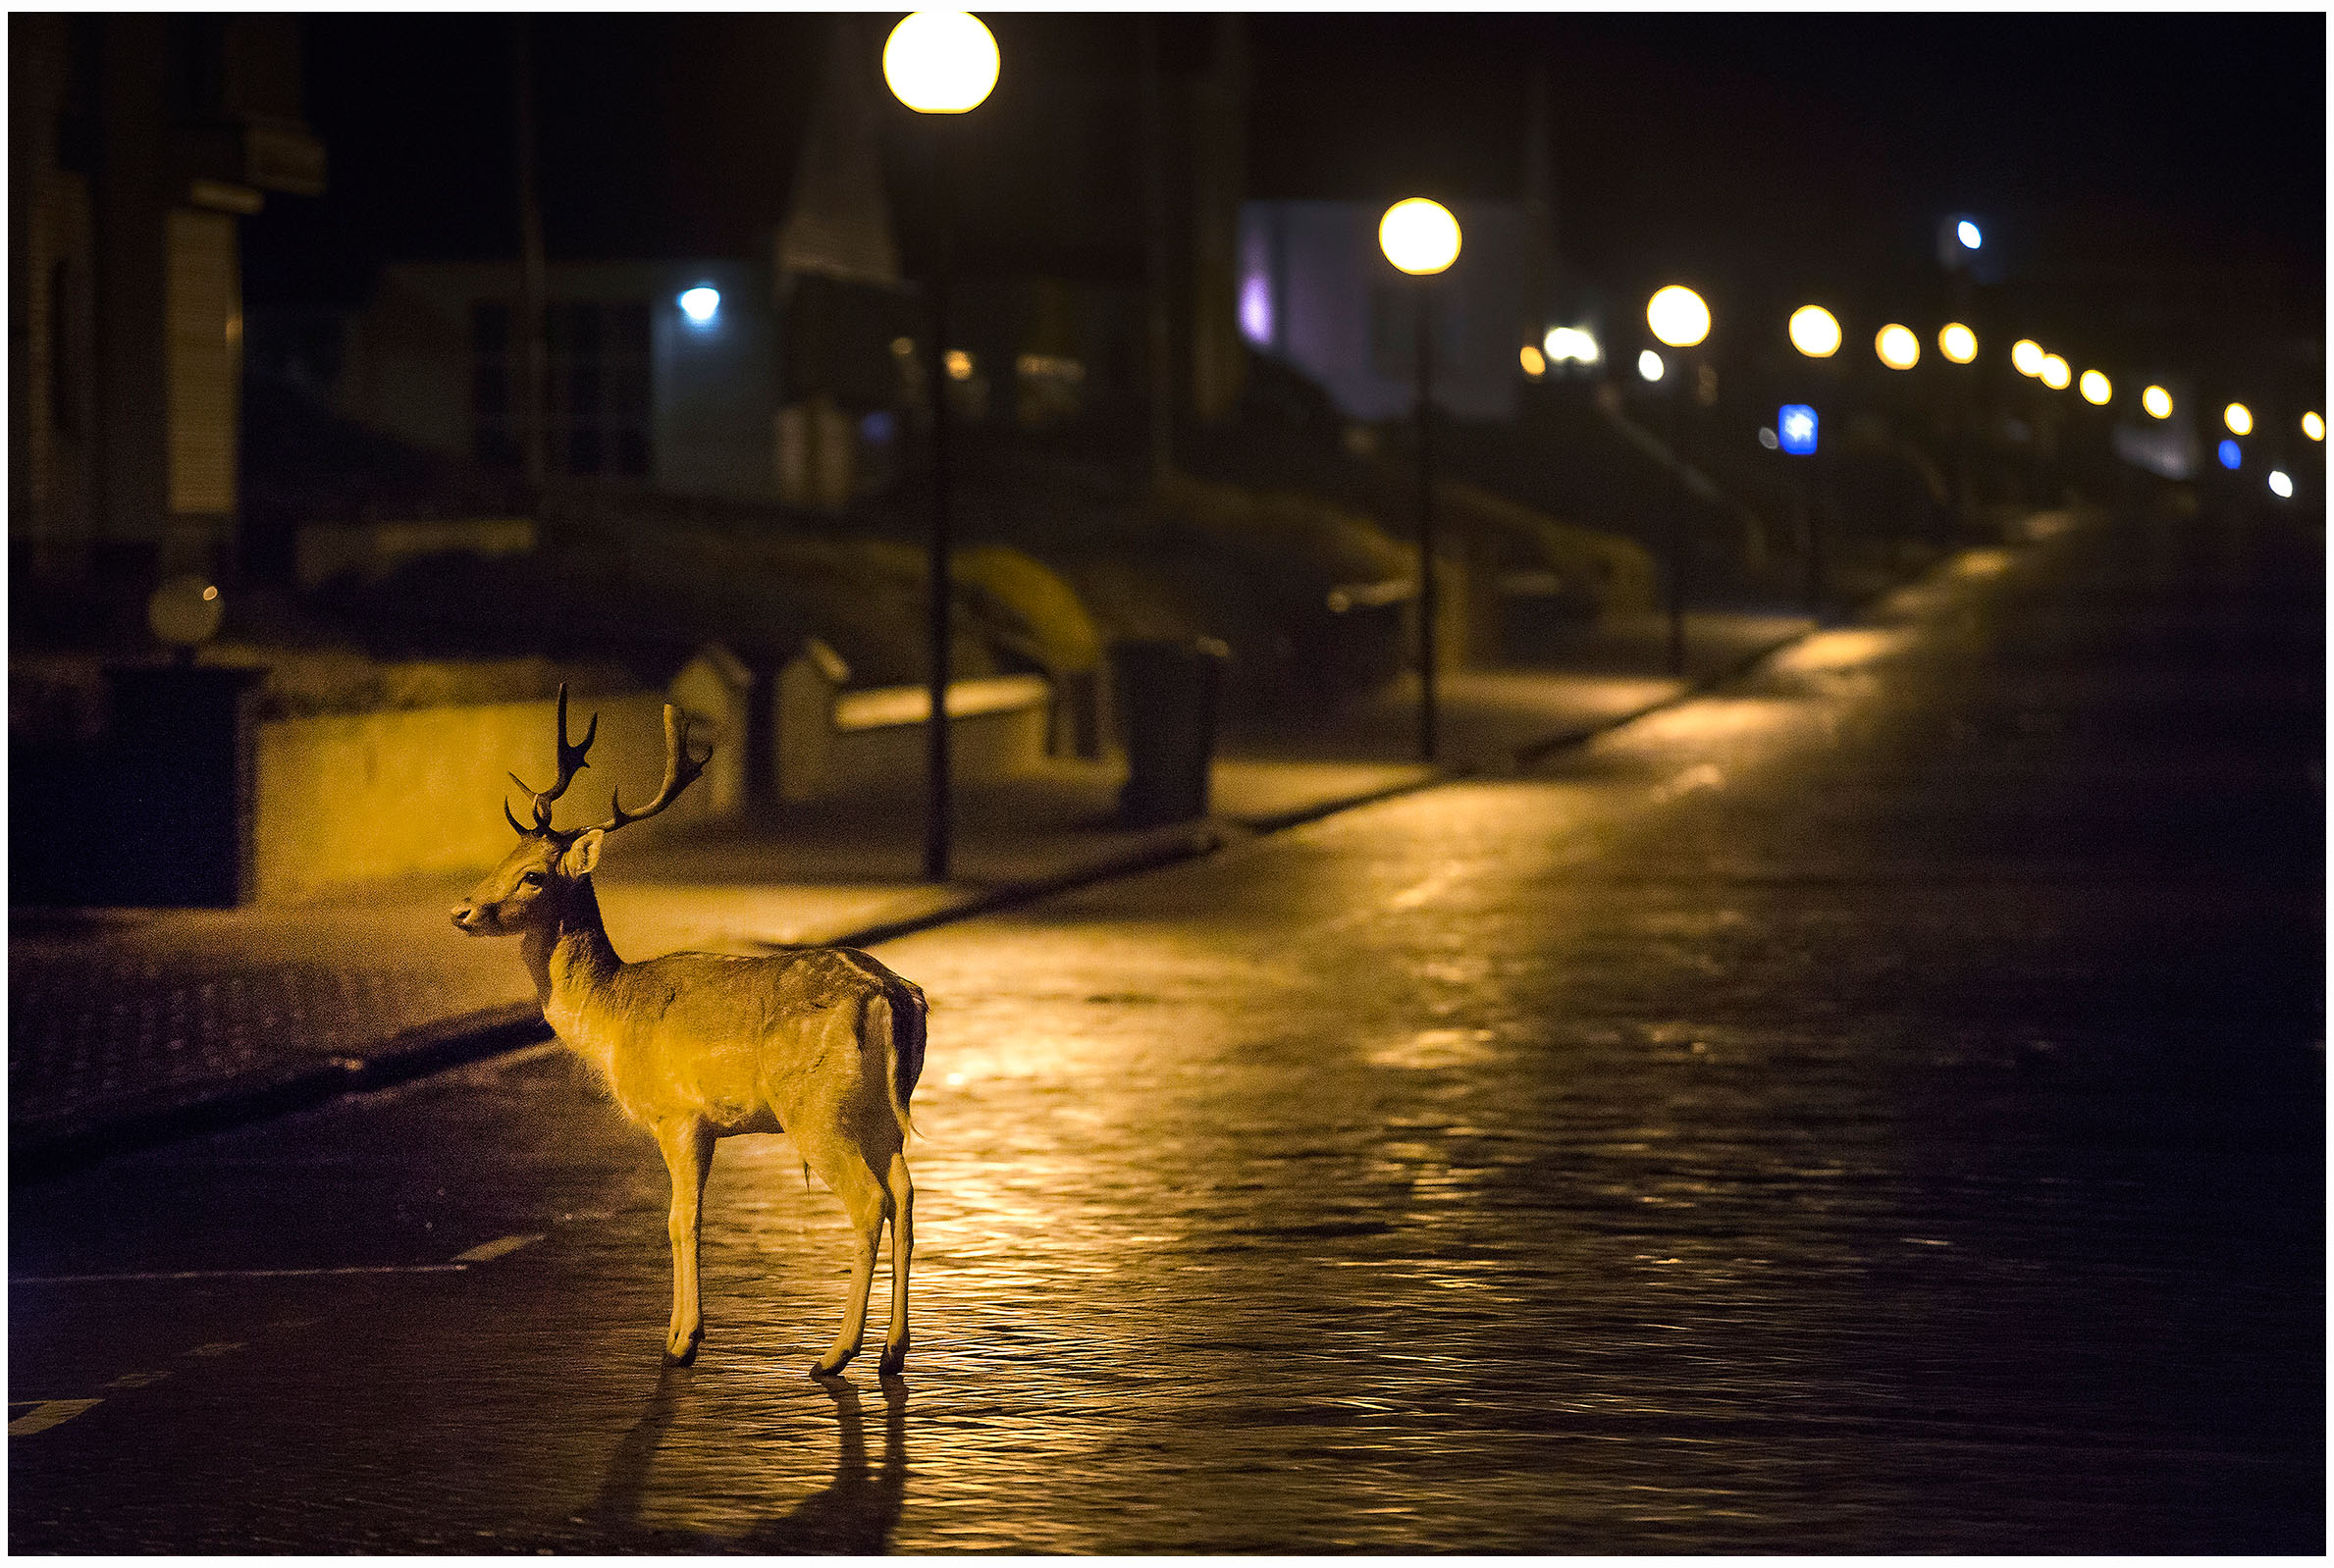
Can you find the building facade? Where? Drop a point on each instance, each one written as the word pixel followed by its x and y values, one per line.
pixel 137 144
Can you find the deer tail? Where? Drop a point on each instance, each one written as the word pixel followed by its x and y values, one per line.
pixel 901 1022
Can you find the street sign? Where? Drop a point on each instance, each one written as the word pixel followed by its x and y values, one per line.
pixel 1795 428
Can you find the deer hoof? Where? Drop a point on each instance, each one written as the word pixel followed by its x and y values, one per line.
pixel 681 1357
pixel 831 1365
pixel 894 1357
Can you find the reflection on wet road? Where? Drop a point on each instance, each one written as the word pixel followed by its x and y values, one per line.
pixel 1878 1109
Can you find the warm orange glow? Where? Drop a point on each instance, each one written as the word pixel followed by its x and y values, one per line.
pixel 2096 387
pixel 1678 316
pixel 1814 332
pixel 1957 343
pixel 2056 373
pixel 2158 402
pixel 941 62
pixel 1419 236
pixel 1897 347
pixel 959 365
pixel 2026 356
pixel 2312 426
pixel 2238 418
pixel 1535 363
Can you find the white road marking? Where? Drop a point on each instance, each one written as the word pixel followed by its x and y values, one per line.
pixel 247 1274
pixel 484 1252
pixel 136 1379
pixel 488 1251
pixel 46 1414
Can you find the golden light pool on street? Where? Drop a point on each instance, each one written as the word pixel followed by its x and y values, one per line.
pixel 2096 387
pixel 2312 426
pixel 2238 418
pixel 941 62
pixel 1957 343
pixel 2025 356
pixel 1897 347
pixel 1814 332
pixel 2056 373
pixel 2158 402
pixel 1419 236
pixel 1678 316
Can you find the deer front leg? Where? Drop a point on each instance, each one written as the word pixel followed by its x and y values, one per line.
pixel 689 1147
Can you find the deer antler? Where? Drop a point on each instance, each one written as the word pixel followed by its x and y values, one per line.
pixel 571 759
pixel 680 771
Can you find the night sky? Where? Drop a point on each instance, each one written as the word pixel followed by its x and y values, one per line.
pixel 1759 154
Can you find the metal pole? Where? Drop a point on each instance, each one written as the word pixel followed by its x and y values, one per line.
pixel 936 808
pixel 1426 583
pixel 1679 497
pixel 532 358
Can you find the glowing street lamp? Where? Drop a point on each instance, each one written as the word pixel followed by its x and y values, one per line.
pixel 2056 373
pixel 1650 366
pixel 2158 402
pixel 1420 238
pixel 2238 418
pixel 940 63
pixel 2312 426
pixel 1957 342
pixel 2025 356
pixel 1897 347
pixel 1814 332
pixel 1678 316
pixel 2281 484
pixel 2096 389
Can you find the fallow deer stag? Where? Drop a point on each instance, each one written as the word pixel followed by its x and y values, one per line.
pixel 825 1044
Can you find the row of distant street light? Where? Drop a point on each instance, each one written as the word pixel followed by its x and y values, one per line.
pixel 943 63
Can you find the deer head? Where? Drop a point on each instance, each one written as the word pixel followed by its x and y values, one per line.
pixel 537 881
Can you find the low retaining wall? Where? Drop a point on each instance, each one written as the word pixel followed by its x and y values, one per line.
pixel 998 727
pixel 370 796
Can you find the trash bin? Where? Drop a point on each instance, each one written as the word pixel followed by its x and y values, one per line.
pixel 1165 694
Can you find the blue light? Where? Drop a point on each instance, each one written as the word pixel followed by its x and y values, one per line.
pixel 1795 427
pixel 1968 234
pixel 2231 454
pixel 700 304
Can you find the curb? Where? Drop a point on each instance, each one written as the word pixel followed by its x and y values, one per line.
pixel 36 1156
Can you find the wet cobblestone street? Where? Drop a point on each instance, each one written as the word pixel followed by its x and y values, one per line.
pixel 1876 1108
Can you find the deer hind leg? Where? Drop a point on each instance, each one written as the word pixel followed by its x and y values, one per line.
pixel 689 1147
pixel 902 1192
pixel 845 1170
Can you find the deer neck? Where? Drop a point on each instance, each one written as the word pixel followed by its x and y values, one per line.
pixel 571 958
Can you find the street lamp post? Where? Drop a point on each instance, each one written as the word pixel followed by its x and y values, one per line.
pixel 1815 333
pixel 940 63
pixel 1680 320
pixel 1420 238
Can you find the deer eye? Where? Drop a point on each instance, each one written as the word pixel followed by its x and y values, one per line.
pixel 532 878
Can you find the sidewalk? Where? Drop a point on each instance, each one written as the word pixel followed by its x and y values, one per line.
pixel 132 1026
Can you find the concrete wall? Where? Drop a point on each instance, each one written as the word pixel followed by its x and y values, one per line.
pixel 371 796
pixel 368 796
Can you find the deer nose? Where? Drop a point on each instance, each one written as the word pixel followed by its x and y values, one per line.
pixel 464 915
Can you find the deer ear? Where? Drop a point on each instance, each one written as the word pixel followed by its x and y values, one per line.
pixel 582 854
